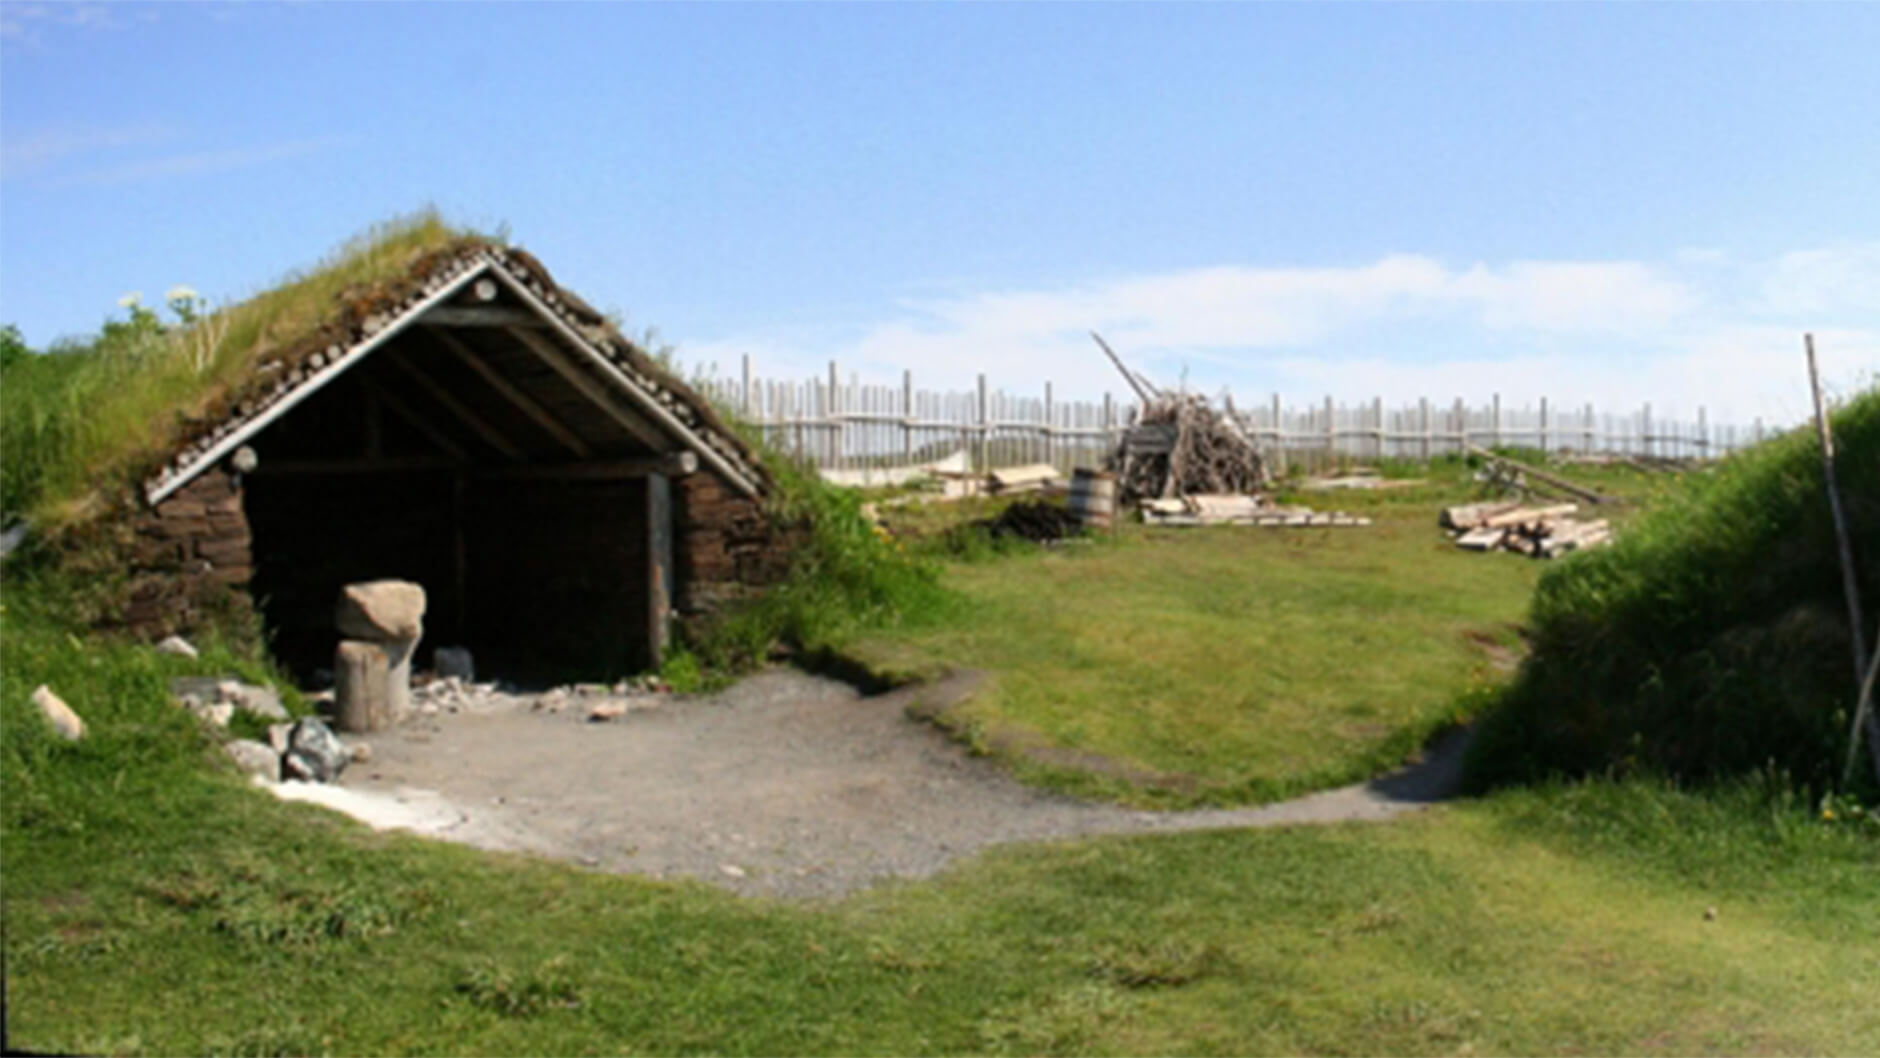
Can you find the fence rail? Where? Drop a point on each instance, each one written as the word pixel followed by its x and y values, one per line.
pixel 867 427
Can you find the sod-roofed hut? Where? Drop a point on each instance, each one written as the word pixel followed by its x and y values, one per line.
pixel 467 424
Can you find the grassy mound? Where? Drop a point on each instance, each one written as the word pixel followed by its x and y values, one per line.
pixel 78 424
pixel 1712 639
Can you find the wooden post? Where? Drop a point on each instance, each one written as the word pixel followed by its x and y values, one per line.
pixel 1543 426
pixel 1703 434
pixel 1377 427
pixel 830 411
pixel 1850 584
pixel 1331 431
pixel 1495 424
pixel 1423 414
pixel 744 396
pixel 985 426
pixel 907 416
pixel 659 571
pixel 1645 428
pixel 1461 415
pixel 1588 424
pixel 1050 425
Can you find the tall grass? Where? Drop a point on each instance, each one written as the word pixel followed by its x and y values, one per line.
pixel 1712 639
pixel 77 423
pixel 844 576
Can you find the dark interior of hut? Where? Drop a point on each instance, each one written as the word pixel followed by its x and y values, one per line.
pixel 415 465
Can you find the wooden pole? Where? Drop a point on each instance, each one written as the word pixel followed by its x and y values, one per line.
pixel 1128 375
pixel 1850 584
pixel 1565 486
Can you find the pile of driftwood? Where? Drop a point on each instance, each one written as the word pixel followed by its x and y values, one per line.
pixel 1540 532
pixel 1180 444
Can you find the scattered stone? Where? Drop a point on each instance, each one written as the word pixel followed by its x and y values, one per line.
pixel 454 663
pixel 732 870
pixel 314 753
pixel 1710 914
pixel 361 752
pixel 592 690
pixel 178 646
pixel 381 610
pixel 606 711
pixel 60 715
pixel 278 736
pixel 428 709
pixel 217 713
pixel 264 702
pixel 255 758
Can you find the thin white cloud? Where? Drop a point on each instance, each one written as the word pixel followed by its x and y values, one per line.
pixel 24 22
pixel 46 148
pixel 198 163
pixel 1699 329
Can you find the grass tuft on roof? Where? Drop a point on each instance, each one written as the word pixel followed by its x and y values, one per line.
pixel 80 424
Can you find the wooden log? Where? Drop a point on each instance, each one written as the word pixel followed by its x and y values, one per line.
pixel 1540 475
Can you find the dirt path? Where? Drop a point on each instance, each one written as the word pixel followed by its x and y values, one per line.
pixel 787 784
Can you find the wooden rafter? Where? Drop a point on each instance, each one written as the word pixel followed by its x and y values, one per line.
pixel 565 366
pixel 418 422
pixel 482 316
pixel 522 401
pixel 476 423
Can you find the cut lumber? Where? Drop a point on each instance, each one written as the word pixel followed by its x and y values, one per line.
pixel 1528 515
pixel 1481 539
pixel 1473 515
pixel 1029 477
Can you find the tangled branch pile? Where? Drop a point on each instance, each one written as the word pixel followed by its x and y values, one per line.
pixel 1180 444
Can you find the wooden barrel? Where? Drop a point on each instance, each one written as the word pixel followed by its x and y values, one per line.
pixel 1093 498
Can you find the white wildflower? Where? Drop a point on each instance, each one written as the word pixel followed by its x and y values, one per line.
pixel 181 293
pixel 131 300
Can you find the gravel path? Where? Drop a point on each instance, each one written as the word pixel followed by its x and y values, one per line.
pixel 786 784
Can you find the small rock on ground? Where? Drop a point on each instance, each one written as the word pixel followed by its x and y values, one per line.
pixel 60 715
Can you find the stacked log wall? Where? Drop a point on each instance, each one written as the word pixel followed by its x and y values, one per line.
pixel 191 555
pixel 727 546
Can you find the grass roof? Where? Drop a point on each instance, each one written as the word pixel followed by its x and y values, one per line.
pixel 79 426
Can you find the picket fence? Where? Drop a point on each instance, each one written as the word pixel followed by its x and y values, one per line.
pixel 861 427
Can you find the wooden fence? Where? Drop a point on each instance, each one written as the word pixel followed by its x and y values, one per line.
pixel 863 427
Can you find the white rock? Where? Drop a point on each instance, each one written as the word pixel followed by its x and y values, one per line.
pixel 255 758
pixel 381 610
pixel 361 752
pixel 278 736
pixel 177 645
pixel 218 714
pixel 731 870
pixel 58 714
pixel 606 711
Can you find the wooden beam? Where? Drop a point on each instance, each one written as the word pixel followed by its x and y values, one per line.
pixel 481 316
pixel 674 464
pixel 522 401
pixel 418 422
pixel 281 468
pixel 1540 475
pixel 565 366
pixel 737 478
pixel 477 424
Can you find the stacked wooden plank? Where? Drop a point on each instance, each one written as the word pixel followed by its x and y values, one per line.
pixel 1221 509
pixel 1540 532
pixel 1033 477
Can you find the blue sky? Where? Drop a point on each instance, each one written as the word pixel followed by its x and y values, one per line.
pixel 1592 203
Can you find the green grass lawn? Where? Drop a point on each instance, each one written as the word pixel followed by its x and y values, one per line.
pixel 187 914
pixel 1222 665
